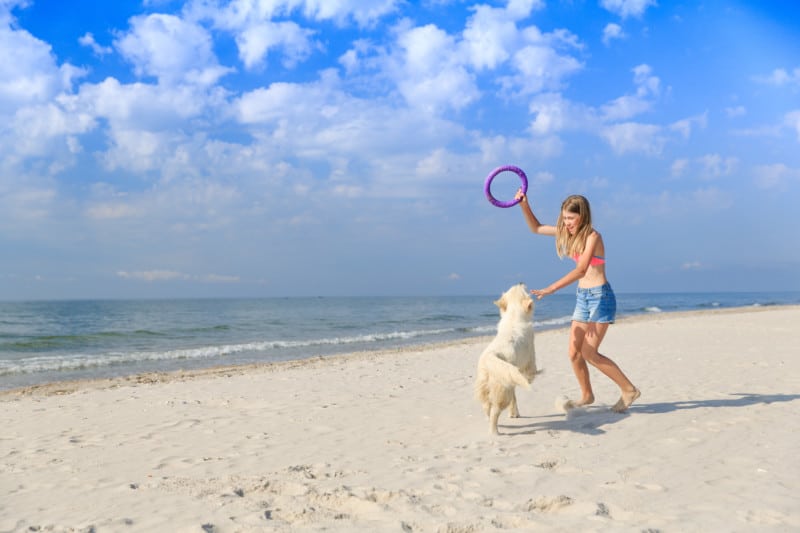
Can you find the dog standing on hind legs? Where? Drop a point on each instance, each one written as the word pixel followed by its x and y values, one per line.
pixel 510 358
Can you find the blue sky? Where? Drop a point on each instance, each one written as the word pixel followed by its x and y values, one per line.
pixel 202 148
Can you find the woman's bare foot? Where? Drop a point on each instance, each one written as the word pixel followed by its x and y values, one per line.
pixel 625 401
pixel 586 400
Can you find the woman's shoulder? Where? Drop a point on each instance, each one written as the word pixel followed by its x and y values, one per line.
pixel 595 241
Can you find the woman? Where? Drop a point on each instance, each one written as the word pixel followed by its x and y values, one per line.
pixel 596 304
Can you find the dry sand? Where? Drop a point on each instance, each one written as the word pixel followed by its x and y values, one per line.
pixel 394 441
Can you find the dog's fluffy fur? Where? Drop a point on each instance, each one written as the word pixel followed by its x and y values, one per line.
pixel 510 359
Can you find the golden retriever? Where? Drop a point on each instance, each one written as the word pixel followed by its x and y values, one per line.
pixel 510 359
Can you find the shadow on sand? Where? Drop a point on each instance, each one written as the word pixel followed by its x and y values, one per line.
pixel 590 420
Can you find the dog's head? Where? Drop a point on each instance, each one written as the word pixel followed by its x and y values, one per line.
pixel 517 297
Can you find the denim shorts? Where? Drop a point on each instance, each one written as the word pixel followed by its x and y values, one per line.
pixel 595 304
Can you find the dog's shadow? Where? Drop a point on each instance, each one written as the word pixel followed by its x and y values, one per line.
pixel 591 420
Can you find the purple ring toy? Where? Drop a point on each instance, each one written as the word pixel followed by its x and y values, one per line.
pixel 488 187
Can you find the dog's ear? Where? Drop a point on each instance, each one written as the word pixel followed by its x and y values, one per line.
pixel 501 303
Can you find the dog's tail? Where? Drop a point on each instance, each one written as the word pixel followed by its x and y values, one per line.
pixel 505 372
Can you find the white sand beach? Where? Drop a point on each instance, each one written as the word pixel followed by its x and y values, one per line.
pixel 395 441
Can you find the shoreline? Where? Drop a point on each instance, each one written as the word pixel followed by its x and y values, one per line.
pixel 61 387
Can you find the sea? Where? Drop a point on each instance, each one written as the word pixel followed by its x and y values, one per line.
pixel 49 341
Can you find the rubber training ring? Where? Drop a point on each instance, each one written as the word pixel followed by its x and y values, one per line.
pixel 488 187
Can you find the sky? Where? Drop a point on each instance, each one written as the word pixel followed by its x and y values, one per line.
pixel 259 148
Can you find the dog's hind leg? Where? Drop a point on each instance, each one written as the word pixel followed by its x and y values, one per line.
pixel 494 414
pixel 513 410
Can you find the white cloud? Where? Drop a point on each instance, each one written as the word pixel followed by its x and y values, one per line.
pixel 539 64
pixel 88 40
pixel 241 13
pixel 775 176
pixel 29 73
pixel 257 40
pixel 219 278
pixel 112 211
pixel 634 137
pixel 153 275
pixel 431 74
pixel 792 120
pixel 714 166
pixel 679 166
pixel 521 9
pixel 489 37
pixel 553 113
pixel 627 8
pixel 781 77
pixel 256 32
pixel 685 126
pixel 693 265
pixel 171 275
pixel 502 148
pixel 170 49
pixel 712 199
pixel 542 178
pixel 625 107
pixel 648 87
pixel 26 204
pixel 706 167
pixel 45 129
pixel 611 32
pixel 736 111
pixel 363 12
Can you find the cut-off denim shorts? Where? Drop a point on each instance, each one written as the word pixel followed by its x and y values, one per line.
pixel 596 304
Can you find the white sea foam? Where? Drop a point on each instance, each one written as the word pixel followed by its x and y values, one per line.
pixel 551 322
pixel 653 309
pixel 71 362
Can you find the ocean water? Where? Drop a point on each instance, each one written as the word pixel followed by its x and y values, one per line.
pixel 44 341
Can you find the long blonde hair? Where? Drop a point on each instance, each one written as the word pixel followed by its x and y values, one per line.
pixel 566 244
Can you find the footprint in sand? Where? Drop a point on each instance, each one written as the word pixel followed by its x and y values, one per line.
pixel 548 505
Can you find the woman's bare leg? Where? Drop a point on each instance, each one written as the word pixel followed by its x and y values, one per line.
pixel 579 367
pixel 594 334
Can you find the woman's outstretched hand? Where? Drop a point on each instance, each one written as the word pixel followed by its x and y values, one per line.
pixel 520 196
pixel 541 293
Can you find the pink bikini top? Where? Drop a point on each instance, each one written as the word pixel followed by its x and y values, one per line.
pixel 596 260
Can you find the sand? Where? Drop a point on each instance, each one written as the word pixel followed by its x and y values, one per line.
pixel 394 441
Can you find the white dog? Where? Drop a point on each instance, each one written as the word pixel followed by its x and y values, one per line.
pixel 510 359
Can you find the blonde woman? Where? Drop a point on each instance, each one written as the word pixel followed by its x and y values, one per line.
pixel 596 304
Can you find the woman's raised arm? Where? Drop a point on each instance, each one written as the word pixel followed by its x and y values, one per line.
pixel 533 222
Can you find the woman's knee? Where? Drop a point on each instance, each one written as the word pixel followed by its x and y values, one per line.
pixel 590 354
pixel 575 353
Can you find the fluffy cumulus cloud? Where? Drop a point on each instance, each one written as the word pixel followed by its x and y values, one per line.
pixel 171 50
pixel 489 37
pixel 611 32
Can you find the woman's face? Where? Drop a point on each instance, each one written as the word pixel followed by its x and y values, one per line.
pixel 572 221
